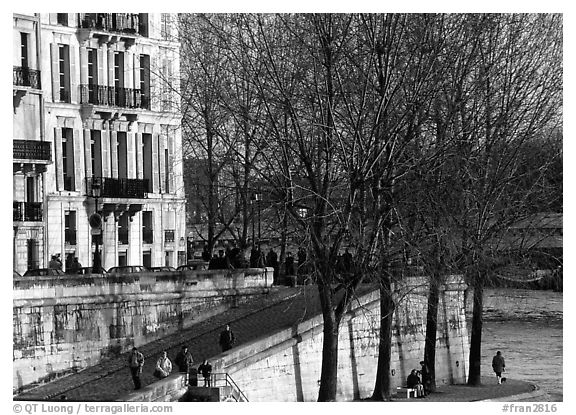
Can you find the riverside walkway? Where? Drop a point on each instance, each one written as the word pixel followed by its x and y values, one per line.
pixel 281 308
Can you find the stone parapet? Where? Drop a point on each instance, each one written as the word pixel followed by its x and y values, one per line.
pixel 64 324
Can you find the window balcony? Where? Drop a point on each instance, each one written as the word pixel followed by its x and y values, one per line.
pixel 169 235
pixel 27 212
pixel 113 96
pixel 26 77
pixel 147 236
pixel 31 150
pixel 128 23
pixel 119 188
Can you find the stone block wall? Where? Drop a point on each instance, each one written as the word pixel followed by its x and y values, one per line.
pixel 288 363
pixel 62 325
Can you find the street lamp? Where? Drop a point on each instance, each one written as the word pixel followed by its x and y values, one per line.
pixel 256 199
pixel 95 221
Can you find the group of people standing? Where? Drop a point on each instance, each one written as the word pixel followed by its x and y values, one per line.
pixel 184 361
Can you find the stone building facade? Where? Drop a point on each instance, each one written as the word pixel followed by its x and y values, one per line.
pixel 110 112
pixel 32 153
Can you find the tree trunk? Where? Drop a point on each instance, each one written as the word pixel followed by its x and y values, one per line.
pixel 328 376
pixel 474 374
pixel 432 329
pixel 382 386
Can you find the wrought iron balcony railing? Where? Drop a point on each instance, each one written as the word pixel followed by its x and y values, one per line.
pixel 113 96
pixel 113 22
pixel 169 235
pixel 27 77
pixel 31 150
pixel 119 188
pixel 147 236
pixel 27 212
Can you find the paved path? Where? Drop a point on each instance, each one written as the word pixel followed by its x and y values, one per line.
pixel 109 380
pixel 281 308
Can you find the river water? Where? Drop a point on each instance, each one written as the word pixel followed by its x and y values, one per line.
pixel 526 326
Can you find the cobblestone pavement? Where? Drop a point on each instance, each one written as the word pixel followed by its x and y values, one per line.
pixel 109 380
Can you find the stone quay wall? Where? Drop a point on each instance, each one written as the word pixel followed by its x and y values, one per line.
pixel 64 324
pixel 285 366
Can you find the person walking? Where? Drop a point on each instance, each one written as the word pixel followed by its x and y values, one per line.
pixel 227 338
pixel 499 366
pixel 135 363
pixel 185 363
pixel 163 366
pixel 206 369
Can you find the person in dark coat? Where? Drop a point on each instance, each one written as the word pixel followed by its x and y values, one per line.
pixel 206 370
pixel 75 267
pixel 499 366
pixel 135 363
pixel 185 363
pixel 290 264
pixel 272 259
pixel 227 338
pixel 206 256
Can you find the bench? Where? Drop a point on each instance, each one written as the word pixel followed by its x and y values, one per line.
pixel 408 391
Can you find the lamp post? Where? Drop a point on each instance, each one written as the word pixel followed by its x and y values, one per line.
pixel 95 221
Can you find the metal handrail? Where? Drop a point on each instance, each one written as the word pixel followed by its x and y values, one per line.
pixel 215 377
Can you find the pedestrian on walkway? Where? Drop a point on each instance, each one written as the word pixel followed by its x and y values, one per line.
pixel 135 363
pixel 163 366
pixel 206 369
pixel 289 264
pixel 185 363
pixel 227 338
pixel 499 366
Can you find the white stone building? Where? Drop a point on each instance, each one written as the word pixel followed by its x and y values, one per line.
pixel 110 113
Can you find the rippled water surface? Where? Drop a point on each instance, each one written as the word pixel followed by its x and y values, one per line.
pixel 526 326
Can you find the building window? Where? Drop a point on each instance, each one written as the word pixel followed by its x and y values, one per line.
pixel 166 81
pixel 165 25
pixel 70 227
pixel 145 81
pixel 92 75
pixel 119 79
pixel 68 159
pixel 123 230
pixel 168 258
pixel 96 152
pixel 64 72
pixel 122 259
pixel 33 254
pixel 147 228
pixel 147 159
pixel 122 152
pixel 147 259
pixel 24 50
pixel 62 19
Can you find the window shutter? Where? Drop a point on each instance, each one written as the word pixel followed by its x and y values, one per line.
pixel 74 78
pixel 54 49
